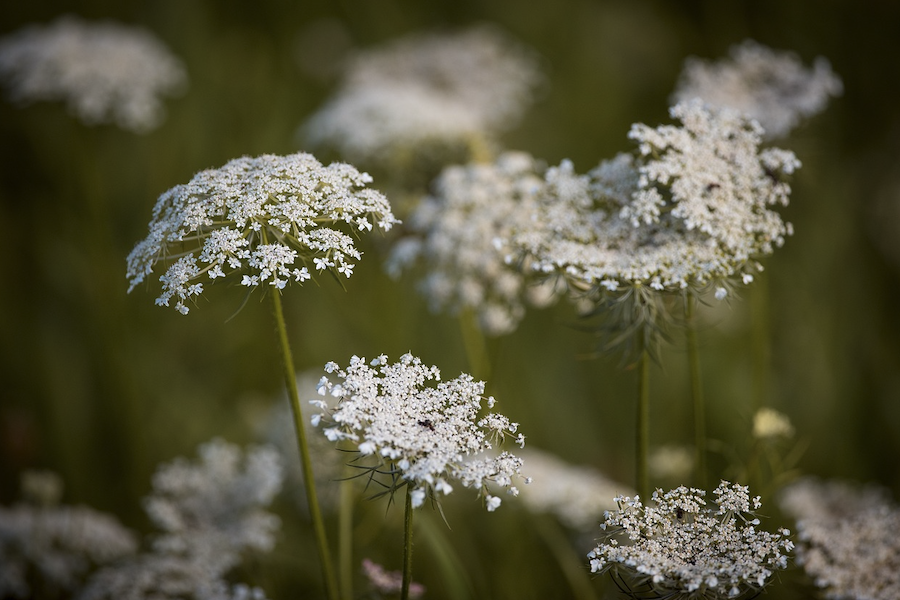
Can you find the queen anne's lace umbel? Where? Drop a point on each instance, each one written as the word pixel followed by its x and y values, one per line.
pixel 268 216
pixel 694 207
pixel 429 431
pixel 681 548
pixel 770 86
pixel 460 233
pixel 104 72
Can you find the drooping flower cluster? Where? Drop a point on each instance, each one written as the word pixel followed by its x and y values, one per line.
pixel 770 86
pixel 680 548
pixel 428 431
pixel 438 89
pixel 104 72
pixel 208 513
pixel 55 545
pixel 848 540
pixel 694 208
pixel 461 233
pixel 263 215
pixel 577 495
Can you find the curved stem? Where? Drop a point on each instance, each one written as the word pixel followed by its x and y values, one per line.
pixel 642 480
pixel 407 545
pixel 290 379
pixel 696 393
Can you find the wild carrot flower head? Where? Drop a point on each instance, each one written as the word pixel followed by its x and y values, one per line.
pixel 680 548
pixel 848 540
pixel 104 72
pixel 268 216
pixel 693 207
pixel 428 432
pixel 427 88
pixel 769 424
pixel 460 233
pixel 770 86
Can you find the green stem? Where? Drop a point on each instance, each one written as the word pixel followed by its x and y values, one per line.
pixel 642 481
pixel 475 345
pixel 407 545
pixel 570 562
pixel 696 392
pixel 759 339
pixel 290 379
pixel 345 538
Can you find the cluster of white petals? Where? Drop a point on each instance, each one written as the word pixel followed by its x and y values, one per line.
pixel 848 540
pixel 270 215
pixel 426 88
pixel 770 86
pixel 693 208
pixel 460 233
pixel 769 424
pixel 578 495
pixel 56 546
pixel 104 72
pixel 208 512
pixel 429 431
pixel 681 548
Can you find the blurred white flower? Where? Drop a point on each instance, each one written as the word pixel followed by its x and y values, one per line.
pixel 769 424
pixel 261 214
pixel 770 86
pixel 388 582
pixel 429 433
pixel 427 88
pixel 104 72
pixel 671 463
pixel 679 548
pixel 848 540
pixel 460 235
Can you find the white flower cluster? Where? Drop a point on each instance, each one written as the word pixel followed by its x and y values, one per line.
pixel 577 495
pixel 848 540
pixel 430 434
pixel 770 86
pixel 57 546
pixel 438 88
pixel 693 208
pixel 682 549
pixel 769 424
pixel 260 214
pixel 208 512
pixel 105 72
pixel 460 233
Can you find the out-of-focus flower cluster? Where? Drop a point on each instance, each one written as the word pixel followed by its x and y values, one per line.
pixel 429 434
pixel 426 90
pixel 104 72
pixel 770 86
pixel 848 541
pixel 387 582
pixel 680 548
pixel 461 233
pixel 262 215
pixel 208 513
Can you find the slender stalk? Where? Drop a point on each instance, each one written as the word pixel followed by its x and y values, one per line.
pixel 290 379
pixel 759 340
pixel 475 345
pixel 696 392
pixel 569 561
pixel 407 545
pixel 642 480
pixel 345 538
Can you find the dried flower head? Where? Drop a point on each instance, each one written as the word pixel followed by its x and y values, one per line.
pixel 847 535
pixel 426 433
pixel 388 582
pixel 770 86
pixel 769 424
pixel 263 215
pixel 680 548
pixel 577 495
pixel 426 89
pixel 55 546
pixel 460 234
pixel 104 72
pixel 692 209
pixel 208 513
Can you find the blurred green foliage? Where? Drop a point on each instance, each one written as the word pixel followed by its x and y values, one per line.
pixel 102 387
